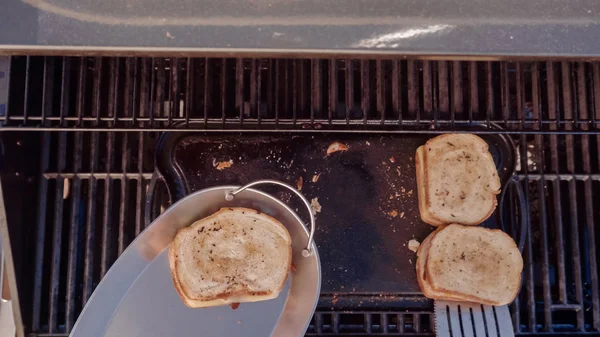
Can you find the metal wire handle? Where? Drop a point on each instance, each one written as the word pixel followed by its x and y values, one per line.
pixel 306 252
pixel 523 210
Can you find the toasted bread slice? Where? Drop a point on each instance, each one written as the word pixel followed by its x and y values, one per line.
pixel 426 288
pixel 422 277
pixel 235 255
pixel 475 263
pixel 457 180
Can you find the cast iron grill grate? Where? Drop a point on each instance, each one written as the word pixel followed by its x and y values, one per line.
pixel 552 108
pixel 209 93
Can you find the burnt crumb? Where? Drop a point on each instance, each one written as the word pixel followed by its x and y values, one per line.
pixel 449 143
pixel 429 149
pixel 211 259
pixel 453 215
pixel 214 245
pixel 210 252
pixel 243 212
pixel 231 209
pixel 257 212
pixel 201 230
pixel 462 256
pixel 443 205
pixel 462 195
pixel 217 229
pixel 254 220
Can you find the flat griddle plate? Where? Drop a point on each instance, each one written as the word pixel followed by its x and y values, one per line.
pixel 368 194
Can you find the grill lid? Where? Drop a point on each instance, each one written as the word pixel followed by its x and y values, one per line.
pixel 461 27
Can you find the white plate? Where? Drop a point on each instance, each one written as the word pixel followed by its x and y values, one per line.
pixel 137 297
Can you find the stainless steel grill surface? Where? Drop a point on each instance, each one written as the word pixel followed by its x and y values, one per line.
pixel 80 134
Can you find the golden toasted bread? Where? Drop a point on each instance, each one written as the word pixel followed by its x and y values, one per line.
pixel 422 277
pixel 457 180
pixel 235 255
pixel 470 263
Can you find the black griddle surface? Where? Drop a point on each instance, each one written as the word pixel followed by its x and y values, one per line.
pixel 368 195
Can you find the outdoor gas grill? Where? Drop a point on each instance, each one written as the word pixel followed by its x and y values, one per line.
pixel 78 176
pixel 90 92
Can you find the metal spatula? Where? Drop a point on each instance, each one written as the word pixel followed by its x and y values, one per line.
pixel 463 319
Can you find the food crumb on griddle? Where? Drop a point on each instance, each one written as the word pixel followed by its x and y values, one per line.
pixel 299 184
pixel 315 177
pixel 392 160
pixel 367 142
pixel 315 206
pixel 393 213
pixel 66 188
pixel 401 215
pixel 223 164
pixel 336 147
pixel 413 245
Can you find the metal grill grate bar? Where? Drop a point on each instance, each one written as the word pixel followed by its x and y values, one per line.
pixel 590 224
pixel 41 234
pixel 535 87
pixel 57 235
pixel 90 228
pixel 108 208
pixel 75 191
pixel 567 96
